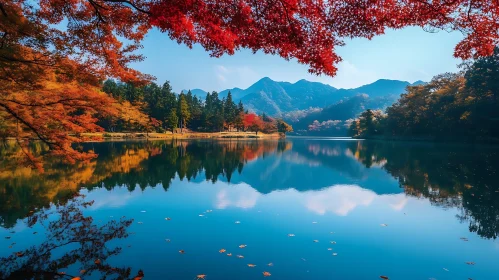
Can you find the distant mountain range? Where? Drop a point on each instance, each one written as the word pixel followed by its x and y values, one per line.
pixel 277 98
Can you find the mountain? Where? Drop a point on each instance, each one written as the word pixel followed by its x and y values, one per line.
pixel 197 92
pixel 279 98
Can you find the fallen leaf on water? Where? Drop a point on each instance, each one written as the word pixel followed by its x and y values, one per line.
pixel 140 223
pixel 464 239
pixel 332 232
pixel 35 232
pixel 97 261
pixel 242 246
pixel 201 215
pixel 314 222
pixel 181 251
pixel 291 235
pixel 332 242
pixel 470 263
pixel 335 254
pixel 384 225
pixel 167 240
pixel 330 249
pixel 82 271
pixel 143 211
pixel 201 276
pixel 315 241
pixel 383 277
pixel 238 222
pixel 222 251
pixel 76 278
pixel 229 254
pixel 266 274
pixel 240 256
pixel 270 264
pixel 251 265
pixel 7 237
pixel 168 218
pixel 208 211
pixel 446 269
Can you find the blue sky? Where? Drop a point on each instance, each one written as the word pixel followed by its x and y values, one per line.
pixel 410 54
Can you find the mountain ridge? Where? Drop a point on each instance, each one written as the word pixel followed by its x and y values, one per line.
pixel 277 97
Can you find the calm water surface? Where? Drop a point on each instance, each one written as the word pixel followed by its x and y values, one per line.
pixel 312 208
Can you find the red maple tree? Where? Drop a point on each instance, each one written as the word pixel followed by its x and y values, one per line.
pixel 55 53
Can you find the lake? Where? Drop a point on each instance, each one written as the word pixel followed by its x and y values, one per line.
pixel 300 208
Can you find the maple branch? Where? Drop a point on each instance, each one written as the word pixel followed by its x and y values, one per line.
pixel 3 10
pixel 131 4
pixel 45 104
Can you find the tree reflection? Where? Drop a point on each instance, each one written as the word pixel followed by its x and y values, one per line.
pixel 128 164
pixel 464 177
pixel 83 244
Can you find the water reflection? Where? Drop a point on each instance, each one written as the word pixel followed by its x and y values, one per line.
pixel 71 240
pixel 333 176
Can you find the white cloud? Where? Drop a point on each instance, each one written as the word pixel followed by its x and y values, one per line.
pixel 342 199
pixel 240 196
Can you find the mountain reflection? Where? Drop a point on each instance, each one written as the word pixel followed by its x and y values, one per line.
pixel 461 177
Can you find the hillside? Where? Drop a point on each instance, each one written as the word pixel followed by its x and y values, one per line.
pixel 278 98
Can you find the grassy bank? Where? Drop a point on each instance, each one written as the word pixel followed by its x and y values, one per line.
pixel 186 135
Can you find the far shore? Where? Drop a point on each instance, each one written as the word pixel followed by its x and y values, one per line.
pixel 185 135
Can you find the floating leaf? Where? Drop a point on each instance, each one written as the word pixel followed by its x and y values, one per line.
pixel 446 269
pixel 140 223
pixel 240 256
pixel 291 235
pixel 97 262
pixel 470 263
pixel 168 218
pixel 35 232
pixel 82 271
pixel 266 274
pixel 209 211
pixel 181 251
pixel 229 254
pixel 464 239
pixel 383 277
pixel 314 222
pixel 201 215
pixel 143 211
pixel 7 237
pixel 332 242
pixel 335 254
pixel 251 265
pixel 76 278
pixel 167 240
pixel 270 264
pixel 222 251
pixel 238 222
pixel 201 276
pixel 330 249
pixel 242 246
pixel 384 225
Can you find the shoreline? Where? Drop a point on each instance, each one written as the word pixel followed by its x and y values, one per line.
pixel 430 139
pixel 186 135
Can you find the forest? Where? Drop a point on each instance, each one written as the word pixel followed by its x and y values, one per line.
pixel 158 109
pixel 452 106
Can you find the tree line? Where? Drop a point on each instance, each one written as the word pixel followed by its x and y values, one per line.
pixel 164 110
pixel 451 106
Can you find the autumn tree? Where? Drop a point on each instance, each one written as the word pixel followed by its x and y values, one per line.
pixel 283 127
pixel 54 54
pixel 183 112
pixel 172 121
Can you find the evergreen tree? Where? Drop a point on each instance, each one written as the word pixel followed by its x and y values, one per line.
pixel 183 111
